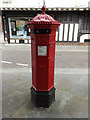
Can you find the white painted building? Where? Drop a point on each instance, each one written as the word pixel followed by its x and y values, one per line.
pixel 52 6
pixel 39 3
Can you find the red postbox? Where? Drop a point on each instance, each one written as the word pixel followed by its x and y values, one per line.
pixel 43 32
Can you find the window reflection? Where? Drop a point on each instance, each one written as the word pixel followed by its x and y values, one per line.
pixel 18 28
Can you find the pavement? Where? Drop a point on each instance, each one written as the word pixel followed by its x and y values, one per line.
pixel 71 83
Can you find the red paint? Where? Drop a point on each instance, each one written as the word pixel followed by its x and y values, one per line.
pixel 43 66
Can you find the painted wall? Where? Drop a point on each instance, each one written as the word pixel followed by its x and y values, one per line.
pixel 39 3
pixel 89 4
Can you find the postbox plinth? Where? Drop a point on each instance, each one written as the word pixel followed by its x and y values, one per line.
pixel 43 98
pixel 43 32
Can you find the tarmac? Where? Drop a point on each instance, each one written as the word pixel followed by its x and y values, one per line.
pixel 71 95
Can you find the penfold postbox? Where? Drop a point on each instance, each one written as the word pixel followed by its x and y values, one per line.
pixel 43 32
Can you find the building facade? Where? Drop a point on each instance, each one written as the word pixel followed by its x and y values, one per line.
pixel 1 29
pixel 75 23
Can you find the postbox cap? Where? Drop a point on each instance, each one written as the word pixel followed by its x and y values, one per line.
pixel 43 18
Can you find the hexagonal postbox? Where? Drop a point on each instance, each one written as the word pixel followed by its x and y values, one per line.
pixel 43 32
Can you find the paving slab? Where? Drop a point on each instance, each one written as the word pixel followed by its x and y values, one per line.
pixel 7 75
pixel 57 109
pixel 65 106
pixel 73 84
pixel 30 111
pixel 76 107
pixel 5 114
pixel 6 89
pixel 21 82
pixel 14 101
pixel 67 86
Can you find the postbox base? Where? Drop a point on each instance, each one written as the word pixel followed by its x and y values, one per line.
pixel 43 98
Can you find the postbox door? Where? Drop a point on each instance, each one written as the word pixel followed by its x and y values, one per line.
pixel 42 67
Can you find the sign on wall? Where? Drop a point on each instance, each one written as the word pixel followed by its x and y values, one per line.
pixel 6 1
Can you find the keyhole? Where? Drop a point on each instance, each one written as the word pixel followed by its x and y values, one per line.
pixel 37 31
pixel 50 45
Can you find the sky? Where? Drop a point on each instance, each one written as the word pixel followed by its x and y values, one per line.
pixel 48 3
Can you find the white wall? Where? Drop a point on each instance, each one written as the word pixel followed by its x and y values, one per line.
pixel 49 3
pixel 89 4
pixel 83 37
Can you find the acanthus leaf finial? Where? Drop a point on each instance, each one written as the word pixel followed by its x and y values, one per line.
pixel 43 9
